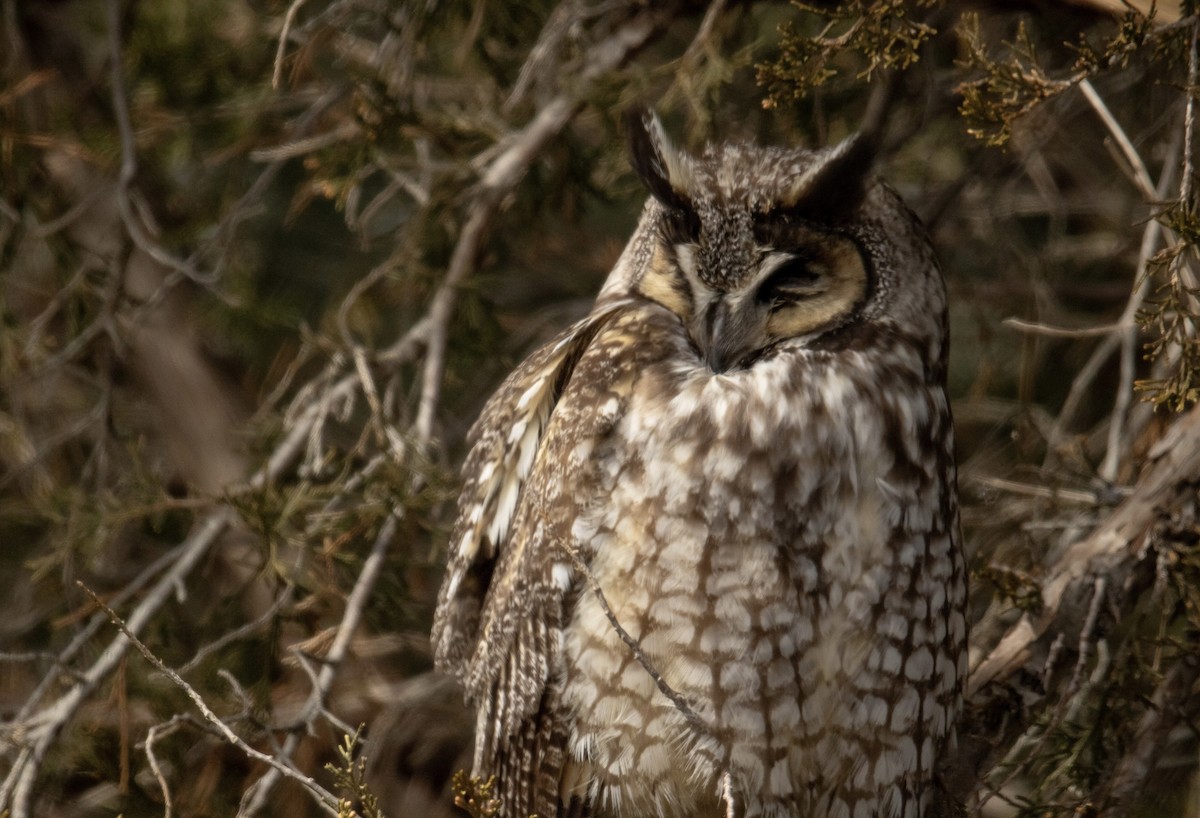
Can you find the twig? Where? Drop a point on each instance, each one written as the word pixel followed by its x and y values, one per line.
pixel 1127 325
pixel 219 240
pixel 50 722
pixel 500 177
pixel 1035 328
pixel 238 633
pixel 1046 492
pixel 96 414
pixel 1153 233
pixel 1086 634
pixel 712 15
pixel 1125 338
pixel 129 157
pixel 342 133
pixel 566 16
pixel 355 603
pixel 323 796
pixel 288 19
pixel 1140 175
pixel 76 210
pixel 156 732
pixel 675 697
pixel 85 635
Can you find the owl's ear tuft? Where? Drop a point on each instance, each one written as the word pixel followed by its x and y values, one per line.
pixel 835 185
pixel 665 171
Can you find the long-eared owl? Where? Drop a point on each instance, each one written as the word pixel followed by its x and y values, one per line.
pixel 707 557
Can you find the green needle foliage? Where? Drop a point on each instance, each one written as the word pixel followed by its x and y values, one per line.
pixel 350 779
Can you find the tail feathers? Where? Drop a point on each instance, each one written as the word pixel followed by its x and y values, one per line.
pixel 529 767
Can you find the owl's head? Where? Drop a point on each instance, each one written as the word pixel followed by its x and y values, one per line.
pixel 753 246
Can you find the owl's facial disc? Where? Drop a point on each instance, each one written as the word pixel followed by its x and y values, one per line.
pixel 815 286
pixel 793 281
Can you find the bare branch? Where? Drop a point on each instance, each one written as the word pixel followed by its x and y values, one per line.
pixel 1141 176
pixel 502 174
pixel 132 221
pixel 289 18
pixel 322 796
pixel 238 633
pixel 256 797
pixel 1035 328
pixel 1111 550
pixel 47 724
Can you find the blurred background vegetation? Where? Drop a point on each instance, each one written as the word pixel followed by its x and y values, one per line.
pixel 261 262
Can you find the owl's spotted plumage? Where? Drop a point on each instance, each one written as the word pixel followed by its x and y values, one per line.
pixel 748 444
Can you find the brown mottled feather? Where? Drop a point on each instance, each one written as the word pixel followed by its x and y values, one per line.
pixel 579 382
pixel 748 443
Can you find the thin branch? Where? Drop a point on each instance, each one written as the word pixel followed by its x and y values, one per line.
pixel 675 697
pixel 156 732
pixel 1035 328
pixel 1140 175
pixel 132 221
pixel 1086 634
pixel 238 633
pixel 322 796
pixel 504 172
pixel 152 735
pixel 256 797
pixel 50 722
pixel 76 210
pixel 1046 492
pixel 1154 232
pixel 85 634
pixel 289 18
pixel 1125 338
pixel 344 132
pixel 712 15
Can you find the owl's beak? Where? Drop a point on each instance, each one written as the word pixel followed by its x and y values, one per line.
pixel 726 333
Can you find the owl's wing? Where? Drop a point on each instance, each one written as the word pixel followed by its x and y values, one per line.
pixel 530 471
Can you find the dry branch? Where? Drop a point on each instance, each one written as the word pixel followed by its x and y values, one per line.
pixel 1112 551
pixel 41 729
pixel 323 797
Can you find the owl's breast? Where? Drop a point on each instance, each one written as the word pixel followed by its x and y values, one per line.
pixel 749 537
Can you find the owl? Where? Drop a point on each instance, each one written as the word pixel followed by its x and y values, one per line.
pixel 707 558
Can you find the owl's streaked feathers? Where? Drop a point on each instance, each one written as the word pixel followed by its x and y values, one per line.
pixel 748 444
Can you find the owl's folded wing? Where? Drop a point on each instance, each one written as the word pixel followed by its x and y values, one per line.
pixel 501 607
